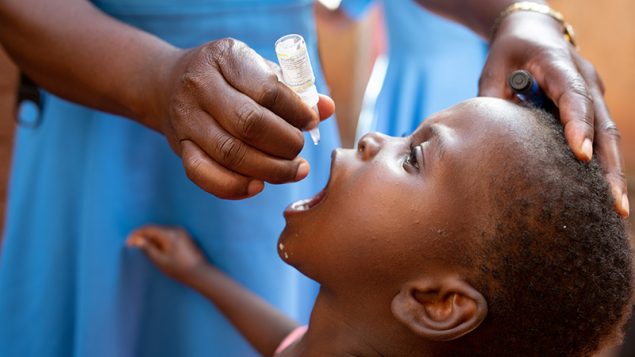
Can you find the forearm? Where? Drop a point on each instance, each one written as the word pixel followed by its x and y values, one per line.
pixel 259 322
pixel 74 50
pixel 477 15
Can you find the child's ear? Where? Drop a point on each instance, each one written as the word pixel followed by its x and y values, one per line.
pixel 440 309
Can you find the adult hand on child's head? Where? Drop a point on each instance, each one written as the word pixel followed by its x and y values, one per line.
pixel 535 42
pixel 170 249
pixel 233 123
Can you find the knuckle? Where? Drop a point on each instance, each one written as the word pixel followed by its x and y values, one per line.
pixel 552 53
pixel 249 118
pixel 612 131
pixel 594 77
pixel 194 167
pixel 179 107
pixel 620 176
pixel 226 189
pixel 228 42
pixel 232 152
pixel 191 81
pixel 617 177
pixel 578 86
pixel 220 47
pixel 221 51
pixel 269 94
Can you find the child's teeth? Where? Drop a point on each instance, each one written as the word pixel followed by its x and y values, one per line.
pixel 302 205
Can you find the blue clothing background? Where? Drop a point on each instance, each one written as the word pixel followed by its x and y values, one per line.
pixel 433 63
pixel 83 180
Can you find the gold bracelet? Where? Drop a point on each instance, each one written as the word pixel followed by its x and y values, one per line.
pixel 567 29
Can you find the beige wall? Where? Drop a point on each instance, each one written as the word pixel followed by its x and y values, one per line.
pixel 8 83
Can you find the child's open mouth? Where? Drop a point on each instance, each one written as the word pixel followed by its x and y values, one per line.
pixel 305 204
pixel 308 203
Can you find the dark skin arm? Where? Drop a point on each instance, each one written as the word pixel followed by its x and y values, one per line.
pixel 527 40
pixel 176 255
pixel 220 105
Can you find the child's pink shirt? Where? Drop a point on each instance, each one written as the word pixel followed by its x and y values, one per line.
pixel 291 338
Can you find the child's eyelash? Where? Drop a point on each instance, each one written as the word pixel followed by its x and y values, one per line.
pixel 411 158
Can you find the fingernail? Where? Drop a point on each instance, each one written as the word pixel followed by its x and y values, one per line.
pixel 303 171
pixel 626 210
pixel 255 186
pixel 587 149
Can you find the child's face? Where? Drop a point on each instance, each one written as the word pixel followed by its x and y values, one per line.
pixel 401 206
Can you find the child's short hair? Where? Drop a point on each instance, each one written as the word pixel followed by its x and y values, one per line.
pixel 555 266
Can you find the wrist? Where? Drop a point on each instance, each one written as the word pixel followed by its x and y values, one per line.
pixel 527 24
pixel 151 95
pixel 196 276
pixel 534 15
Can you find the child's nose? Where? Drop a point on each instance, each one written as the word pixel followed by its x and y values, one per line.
pixel 369 145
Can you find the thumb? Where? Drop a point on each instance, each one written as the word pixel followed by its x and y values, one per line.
pixel 148 248
pixel 154 253
pixel 493 80
pixel 158 236
pixel 326 106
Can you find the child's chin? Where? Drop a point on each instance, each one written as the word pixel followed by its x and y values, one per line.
pixel 283 240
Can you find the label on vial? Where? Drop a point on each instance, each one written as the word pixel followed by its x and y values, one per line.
pixel 296 65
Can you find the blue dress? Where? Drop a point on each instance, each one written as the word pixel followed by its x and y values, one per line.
pixel 83 180
pixel 432 64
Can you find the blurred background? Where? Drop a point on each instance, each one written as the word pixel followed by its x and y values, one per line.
pixel 605 33
pixel 605 30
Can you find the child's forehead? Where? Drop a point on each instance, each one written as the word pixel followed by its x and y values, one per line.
pixel 480 114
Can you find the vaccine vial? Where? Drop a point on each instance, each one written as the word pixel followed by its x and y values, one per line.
pixel 297 73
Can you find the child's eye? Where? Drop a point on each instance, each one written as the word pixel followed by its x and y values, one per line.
pixel 412 159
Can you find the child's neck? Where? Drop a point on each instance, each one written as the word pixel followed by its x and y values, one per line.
pixel 332 332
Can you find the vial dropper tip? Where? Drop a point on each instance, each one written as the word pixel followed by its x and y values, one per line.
pixel 315 135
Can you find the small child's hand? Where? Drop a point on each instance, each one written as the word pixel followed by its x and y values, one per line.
pixel 170 249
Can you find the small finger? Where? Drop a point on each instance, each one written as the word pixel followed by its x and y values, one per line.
pixel 563 83
pixel 214 178
pixel 135 240
pixel 141 239
pixel 163 236
pixel 150 234
pixel 154 253
pixel 608 151
pixel 607 143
